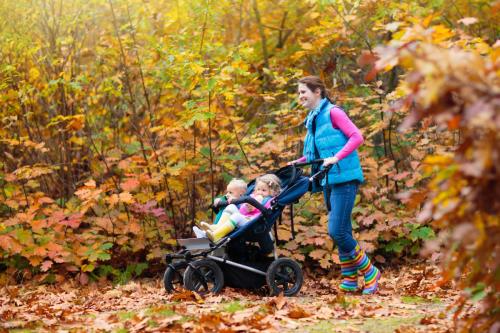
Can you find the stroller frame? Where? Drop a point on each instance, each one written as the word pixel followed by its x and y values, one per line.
pixel 196 266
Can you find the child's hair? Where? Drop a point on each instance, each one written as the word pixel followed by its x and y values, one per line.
pixel 240 183
pixel 272 181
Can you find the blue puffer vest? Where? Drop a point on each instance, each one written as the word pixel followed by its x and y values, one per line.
pixel 328 142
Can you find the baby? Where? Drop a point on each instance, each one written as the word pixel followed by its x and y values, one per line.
pixel 266 187
pixel 234 190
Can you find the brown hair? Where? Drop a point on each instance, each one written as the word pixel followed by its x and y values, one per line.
pixel 314 82
pixel 272 181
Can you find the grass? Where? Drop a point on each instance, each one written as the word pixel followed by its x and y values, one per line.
pixel 125 315
pixel 372 325
pixel 234 307
pixel 164 311
pixel 419 300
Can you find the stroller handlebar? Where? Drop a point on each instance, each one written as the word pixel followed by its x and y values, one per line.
pixel 303 164
pixel 321 173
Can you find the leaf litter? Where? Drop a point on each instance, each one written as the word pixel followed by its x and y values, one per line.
pixel 410 298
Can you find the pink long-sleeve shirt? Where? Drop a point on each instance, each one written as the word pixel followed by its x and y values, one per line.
pixel 342 122
pixel 253 213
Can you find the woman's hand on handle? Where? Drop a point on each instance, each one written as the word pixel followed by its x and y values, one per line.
pixel 299 160
pixel 330 161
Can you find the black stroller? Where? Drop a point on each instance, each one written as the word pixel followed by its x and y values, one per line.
pixel 235 260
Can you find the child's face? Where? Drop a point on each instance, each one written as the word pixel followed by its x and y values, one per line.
pixel 262 189
pixel 234 191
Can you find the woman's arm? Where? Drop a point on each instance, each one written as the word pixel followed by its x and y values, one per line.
pixel 341 121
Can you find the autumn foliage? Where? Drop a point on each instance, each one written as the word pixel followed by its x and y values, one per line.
pixel 122 120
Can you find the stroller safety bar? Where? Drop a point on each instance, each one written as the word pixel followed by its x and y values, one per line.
pixel 249 200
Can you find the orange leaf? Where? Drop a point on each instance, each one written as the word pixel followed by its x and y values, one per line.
pixel 5 242
pixel 40 251
pixel 318 254
pixel 130 185
pixel 38 225
pixel 47 200
pixel 35 261
pixel 91 183
pixel 297 312
pixel 46 265
pixel 134 228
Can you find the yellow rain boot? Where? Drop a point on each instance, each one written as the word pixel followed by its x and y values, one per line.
pixel 223 228
pixel 205 226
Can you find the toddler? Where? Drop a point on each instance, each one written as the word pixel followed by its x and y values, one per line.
pixel 234 190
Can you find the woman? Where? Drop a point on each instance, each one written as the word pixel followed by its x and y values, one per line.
pixel 332 136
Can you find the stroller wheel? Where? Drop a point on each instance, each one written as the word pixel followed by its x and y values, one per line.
pixel 284 276
pixel 172 278
pixel 204 276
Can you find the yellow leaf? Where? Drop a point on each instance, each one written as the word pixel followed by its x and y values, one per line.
pixel 441 33
pixel 314 15
pixel 284 234
pixel 427 21
pixel 113 199
pixel 77 140
pixel 161 195
pixel 76 123
pixel 126 197
pixel 34 74
pixel 90 183
pixel 306 46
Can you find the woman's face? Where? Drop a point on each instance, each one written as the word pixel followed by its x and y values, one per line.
pixel 308 98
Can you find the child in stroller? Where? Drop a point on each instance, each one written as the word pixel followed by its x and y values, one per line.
pixel 234 190
pixel 266 188
pixel 205 266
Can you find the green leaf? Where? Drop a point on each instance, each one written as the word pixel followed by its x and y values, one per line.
pixel 9 190
pixel 478 292
pixel 397 245
pixel 211 84
pixel 423 233
pixel 106 246
pixel 104 256
pixel 24 236
pixel 139 268
pixel 198 116
pixel 88 268
pixel 133 147
pixel 205 151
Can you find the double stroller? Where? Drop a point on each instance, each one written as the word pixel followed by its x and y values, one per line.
pixel 236 260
